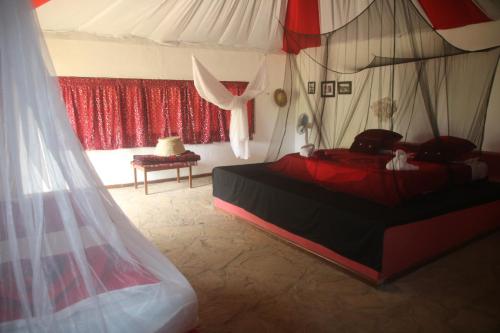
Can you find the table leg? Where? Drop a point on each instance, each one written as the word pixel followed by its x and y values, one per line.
pixel 145 181
pixel 135 178
pixel 178 176
pixel 190 178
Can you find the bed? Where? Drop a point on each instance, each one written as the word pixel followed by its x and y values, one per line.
pixel 345 206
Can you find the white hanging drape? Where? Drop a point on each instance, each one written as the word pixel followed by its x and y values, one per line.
pixel 214 92
pixel 70 259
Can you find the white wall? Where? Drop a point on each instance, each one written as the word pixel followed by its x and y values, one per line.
pixel 474 37
pixel 93 58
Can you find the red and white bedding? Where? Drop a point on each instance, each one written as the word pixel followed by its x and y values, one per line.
pixel 365 175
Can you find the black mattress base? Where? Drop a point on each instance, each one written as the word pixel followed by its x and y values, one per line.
pixel 350 226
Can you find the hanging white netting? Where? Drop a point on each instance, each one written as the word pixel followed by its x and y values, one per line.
pixel 389 55
pixel 70 260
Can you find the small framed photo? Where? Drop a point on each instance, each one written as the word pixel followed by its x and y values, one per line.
pixel 328 89
pixel 311 87
pixel 344 87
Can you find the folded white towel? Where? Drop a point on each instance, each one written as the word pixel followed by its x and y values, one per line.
pixel 307 150
pixel 399 162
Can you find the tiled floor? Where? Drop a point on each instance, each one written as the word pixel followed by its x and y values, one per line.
pixel 249 281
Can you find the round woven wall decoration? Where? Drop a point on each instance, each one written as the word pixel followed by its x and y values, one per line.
pixel 280 97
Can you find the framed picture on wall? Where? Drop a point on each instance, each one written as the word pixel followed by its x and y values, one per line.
pixel 311 87
pixel 344 87
pixel 328 89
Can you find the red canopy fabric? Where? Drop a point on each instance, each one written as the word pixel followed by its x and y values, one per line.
pixel 447 14
pixel 38 3
pixel 302 21
pixel 302 17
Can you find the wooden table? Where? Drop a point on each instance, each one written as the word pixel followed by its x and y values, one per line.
pixel 162 166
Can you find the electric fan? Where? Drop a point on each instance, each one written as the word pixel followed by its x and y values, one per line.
pixel 303 126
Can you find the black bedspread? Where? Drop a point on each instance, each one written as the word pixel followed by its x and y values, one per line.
pixel 350 226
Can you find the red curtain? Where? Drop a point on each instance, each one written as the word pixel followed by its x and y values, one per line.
pixel 126 113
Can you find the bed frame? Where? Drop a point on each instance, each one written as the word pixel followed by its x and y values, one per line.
pixel 405 246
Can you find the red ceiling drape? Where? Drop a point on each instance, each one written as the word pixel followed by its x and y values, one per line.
pixel 302 19
pixel 37 3
pixel 125 113
pixel 446 14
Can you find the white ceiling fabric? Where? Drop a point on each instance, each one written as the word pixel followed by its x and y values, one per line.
pixel 251 24
pixel 241 24
pixel 334 14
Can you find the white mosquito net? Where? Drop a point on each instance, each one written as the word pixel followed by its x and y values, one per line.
pixel 388 54
pixel 70 260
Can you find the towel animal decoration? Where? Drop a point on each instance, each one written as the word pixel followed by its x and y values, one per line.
pixel 400 162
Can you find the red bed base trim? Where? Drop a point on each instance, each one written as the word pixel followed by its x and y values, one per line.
pixel 405 246
pixel 410 245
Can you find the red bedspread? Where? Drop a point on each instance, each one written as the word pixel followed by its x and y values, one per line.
pixel 365 175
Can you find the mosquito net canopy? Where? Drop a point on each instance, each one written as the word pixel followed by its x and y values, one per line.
pixel 385 69
pixel 70 260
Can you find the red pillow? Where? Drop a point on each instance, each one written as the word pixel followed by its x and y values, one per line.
pixel 444 149
pixel 374 140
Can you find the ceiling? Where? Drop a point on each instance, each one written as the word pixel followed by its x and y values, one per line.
pixel 242 24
